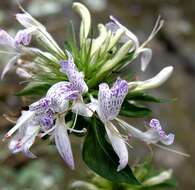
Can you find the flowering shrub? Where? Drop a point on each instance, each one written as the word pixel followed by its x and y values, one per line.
pixel 82 91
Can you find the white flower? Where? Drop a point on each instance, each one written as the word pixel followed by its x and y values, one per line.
pixel 39 31
pixel 115 25
pixel 153 135
pixel 86 21
pixel 108 106
pixel 21 39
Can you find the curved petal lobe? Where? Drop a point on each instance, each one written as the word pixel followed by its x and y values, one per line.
pixel 118 145
pixel 63 143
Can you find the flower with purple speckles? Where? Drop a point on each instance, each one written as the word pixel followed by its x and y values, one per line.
pixel 153 135
pixel 108 106
pixel 22 38
pixel 75 77
pixel 47 114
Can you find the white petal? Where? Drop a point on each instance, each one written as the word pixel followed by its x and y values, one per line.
pixel 151 136
pixel 168 139
pixel 134 131
pixel 23 140
pixel 23 73
pixel 62 142
pixel 9 65
pixel 82 109
pixel 28 21
pixel 128 33
pixel 6 39
pixel 26 115
pixel 118 145
pixel 146 56
pixel 28 140
pixel 86 20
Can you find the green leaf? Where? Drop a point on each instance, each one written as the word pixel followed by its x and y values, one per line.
pixel 101 158
pixel 34 88
pixel 142 96
pixel 132 110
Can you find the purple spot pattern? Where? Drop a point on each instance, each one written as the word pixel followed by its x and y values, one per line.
pixel 110 100
pixel 75 77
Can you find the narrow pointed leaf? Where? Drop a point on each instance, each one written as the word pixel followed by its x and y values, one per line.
pixel 142 96
pixel 34 88
pixel 132 110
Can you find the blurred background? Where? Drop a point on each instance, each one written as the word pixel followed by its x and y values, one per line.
pixel 174 45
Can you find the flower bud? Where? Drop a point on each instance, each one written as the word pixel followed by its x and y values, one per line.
pixel 154 82
pixel 86 20
pixel 117 58
pixel 161 178
pixel 97 43
pixel 23 73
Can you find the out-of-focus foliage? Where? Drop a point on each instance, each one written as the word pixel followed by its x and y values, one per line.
pixel 149 178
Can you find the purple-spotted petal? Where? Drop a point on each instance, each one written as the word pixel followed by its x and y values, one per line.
pixel 153 135
pixel 61 93
pixel 63 143
pixel 75 77
pixel 118 145
pixel 42 104
pixel 47 119
pixel 110 100
pixel 156 127
pixel 128 34
pixel 28 21
pixel 23 37
pixel 6 39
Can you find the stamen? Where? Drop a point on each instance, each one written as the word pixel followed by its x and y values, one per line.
pixel 75 120
pixel 8 118
pixel 20 144
pixel 46 133
pixel 158 25
pixel 172 150
pixel 84 130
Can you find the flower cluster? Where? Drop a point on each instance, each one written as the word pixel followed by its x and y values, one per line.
pixel 77 79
